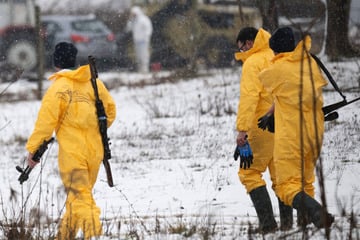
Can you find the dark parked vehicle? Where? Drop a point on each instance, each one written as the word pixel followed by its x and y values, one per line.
pixel 89 34
pixel 186 33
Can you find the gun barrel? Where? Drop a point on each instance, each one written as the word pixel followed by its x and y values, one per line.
pixel 332 107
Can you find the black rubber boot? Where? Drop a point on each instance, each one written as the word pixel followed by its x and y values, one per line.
pixel 310 207
pixel 302 219
pixel 262 203
pixel 286 216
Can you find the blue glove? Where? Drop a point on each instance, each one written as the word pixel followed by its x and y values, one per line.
pixel 246 155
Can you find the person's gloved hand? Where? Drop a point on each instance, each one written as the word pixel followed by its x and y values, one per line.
pixel 246 155
pixel 267 122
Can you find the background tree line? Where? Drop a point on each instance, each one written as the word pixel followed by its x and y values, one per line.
pixel 337 42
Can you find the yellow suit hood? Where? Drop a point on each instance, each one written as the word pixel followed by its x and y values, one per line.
pixel 261 41
pixel 81 74
pixel 299 53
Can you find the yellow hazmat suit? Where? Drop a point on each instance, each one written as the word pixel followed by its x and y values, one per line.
pixel 254 102
pixel 68 108
pixel 295 81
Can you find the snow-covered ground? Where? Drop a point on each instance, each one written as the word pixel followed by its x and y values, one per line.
pixel 172 147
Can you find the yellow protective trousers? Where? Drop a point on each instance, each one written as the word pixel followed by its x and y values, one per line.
pixel 294 176
pixel 81 210
pixel 262 144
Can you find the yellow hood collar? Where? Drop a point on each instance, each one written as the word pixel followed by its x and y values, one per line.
pixel 297 54
pixel 81 74
pixel 303 45
pixel 261 41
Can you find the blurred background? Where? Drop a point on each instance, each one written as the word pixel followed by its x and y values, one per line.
pixel 190 34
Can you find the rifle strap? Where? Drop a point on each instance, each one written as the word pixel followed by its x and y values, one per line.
pixel 328 75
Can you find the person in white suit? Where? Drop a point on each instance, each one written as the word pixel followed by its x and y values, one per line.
pixel 142 29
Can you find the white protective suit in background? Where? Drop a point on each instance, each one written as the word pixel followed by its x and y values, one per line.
pixel 141 28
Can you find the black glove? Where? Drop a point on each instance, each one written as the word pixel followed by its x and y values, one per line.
pixel 246 155
pixel 267 122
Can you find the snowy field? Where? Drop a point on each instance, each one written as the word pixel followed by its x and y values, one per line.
pixel 172 147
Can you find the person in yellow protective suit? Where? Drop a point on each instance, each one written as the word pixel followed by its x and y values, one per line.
pixel 295 82
pixel 68 108
pixel 254 102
